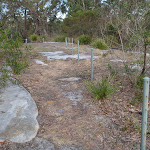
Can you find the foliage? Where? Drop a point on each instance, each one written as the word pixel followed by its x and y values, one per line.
pixel 100 44
pixel 13 55
pixel 139 88
pixel 34 38
pixel 17 60
pixel 111 40
pixel 81 22
pixel 4 77
pixel 43 37
pixel 60 38
pixel 85 39
pixel 111 30
pixel 113 72
pixel 28 17
pixel 101 89
pixel 136 80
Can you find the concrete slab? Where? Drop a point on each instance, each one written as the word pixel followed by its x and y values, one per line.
pixel 18 113
pixel 71 79
pixel 117 60
pixel 63 56
pixel 74 96
pixel 136 66
pixel 40 62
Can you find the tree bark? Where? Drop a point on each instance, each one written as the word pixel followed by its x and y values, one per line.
pixel 25 23
pixel 145 50
pixel 83 5
pixel 37 19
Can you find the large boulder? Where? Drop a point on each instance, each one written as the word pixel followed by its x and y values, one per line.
pixel 18 113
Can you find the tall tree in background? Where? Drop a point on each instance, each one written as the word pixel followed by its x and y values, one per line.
pixel 30 16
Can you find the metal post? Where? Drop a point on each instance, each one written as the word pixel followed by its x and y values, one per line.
pixel 72 46
pixel 91 64
pixel 66 41
pixel 144 112
pixel 26 41
pixel 78 51
pixel 43 40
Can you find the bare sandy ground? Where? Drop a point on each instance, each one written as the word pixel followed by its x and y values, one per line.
pixel 68 116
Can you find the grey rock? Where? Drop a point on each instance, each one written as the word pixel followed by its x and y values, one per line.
pixel 71 79
pixel 40 144
pixel 40 62
pixel 18 113
pixel 74 96
pixel 70 148
pixel 61 111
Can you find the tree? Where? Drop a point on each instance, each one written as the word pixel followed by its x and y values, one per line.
pixel 30 16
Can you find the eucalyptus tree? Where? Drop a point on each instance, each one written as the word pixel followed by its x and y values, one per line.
pixel 30 16
pixel 130 23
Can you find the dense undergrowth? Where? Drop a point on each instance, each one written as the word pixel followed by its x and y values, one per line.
pixel 13 56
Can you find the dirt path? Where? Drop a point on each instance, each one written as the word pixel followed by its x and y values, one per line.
pixel 68 118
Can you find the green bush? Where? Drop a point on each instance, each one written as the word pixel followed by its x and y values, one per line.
pixel 34 38
pixel 100 44
pixel 139 88
pixel 4 77
pixel 17 60
pixel 111 30
pixel 60 38
pixel 13 56
pixel 101 89
pixel 43 37
pixel 85 39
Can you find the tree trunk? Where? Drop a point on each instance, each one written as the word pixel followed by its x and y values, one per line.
pixel 83 5
pixel 25 23
pixel 144 65
pixel 37 19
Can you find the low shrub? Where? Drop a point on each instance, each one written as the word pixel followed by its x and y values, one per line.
pixel 43 37
pixel 113 71
pixel 60 38
pixel 85 39
pixel 101 89
pixel 100 44
pixel 4 77
pixel 139 88
pixel 13 56
pixel 34 38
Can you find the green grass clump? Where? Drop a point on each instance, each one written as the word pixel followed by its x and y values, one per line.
pixel 85 39
pixel 113 72
pixel 60 38
pixel 101 89
pixel 100 44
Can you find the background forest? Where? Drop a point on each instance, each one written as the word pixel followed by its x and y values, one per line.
pixel 123 24
pixel 108 96
pixel 110 19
